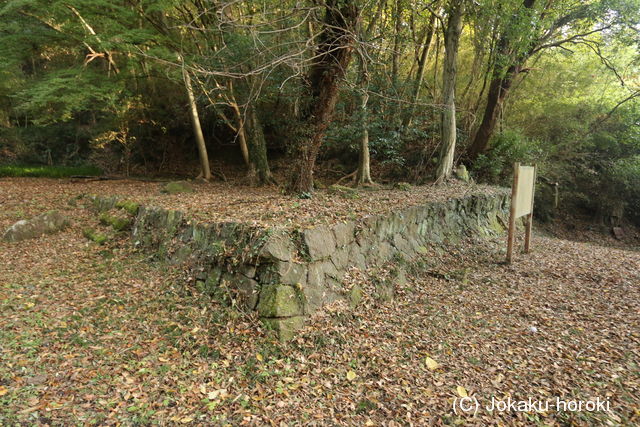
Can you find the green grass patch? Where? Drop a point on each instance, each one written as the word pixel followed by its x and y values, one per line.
pixel 48 171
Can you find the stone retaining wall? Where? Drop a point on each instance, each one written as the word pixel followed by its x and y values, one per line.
pixel 287 275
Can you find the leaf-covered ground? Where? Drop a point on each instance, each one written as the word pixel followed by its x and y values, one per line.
pixel 220 202
pixel 102 335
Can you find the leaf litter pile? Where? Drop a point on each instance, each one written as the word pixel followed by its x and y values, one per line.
pixel 102 335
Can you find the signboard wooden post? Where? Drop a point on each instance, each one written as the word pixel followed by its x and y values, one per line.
pixel 522 192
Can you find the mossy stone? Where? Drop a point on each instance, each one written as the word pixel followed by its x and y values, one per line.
pixel 462 173
pixel 177 187
pixel 346 192
pixel 286 328
pixel 116 222
pixel 129 206
pixel 94 236
pixel 47 223
pixel 281 301
pixel 355 296
pixel 402 186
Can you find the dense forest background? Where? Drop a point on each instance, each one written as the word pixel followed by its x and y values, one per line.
pixel 367 91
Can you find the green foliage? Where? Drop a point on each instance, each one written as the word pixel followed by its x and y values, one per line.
pixel 626 175
pixel 507 148
pixel 61 94
pixel 48 171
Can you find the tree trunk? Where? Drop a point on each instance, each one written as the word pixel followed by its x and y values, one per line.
pixel 197 129
pixel 502 79
pixel 422 62
pixel 498 90
pixel 333 56
pixel 259 171
pixel 363 175
pixel 452 41
pixel 395 58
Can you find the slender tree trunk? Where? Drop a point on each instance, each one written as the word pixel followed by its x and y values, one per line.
pixel 422 62
pixel 395 59
pixel 259 171
pixel 363 175
pixel 197 129
pixel 333 57
pixel 452 41
pixel 241 132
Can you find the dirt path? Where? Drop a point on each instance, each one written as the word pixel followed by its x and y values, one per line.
pixel 99 334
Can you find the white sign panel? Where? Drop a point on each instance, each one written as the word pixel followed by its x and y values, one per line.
pixel 524 194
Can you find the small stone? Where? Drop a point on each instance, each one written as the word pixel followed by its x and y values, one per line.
pixel 355 295
pixel 102 204
pixel 37 380
pixel 618 233
pixel 46 223
pixel 462 173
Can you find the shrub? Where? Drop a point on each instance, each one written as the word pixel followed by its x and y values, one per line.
pixel 508 147
pixel 626 174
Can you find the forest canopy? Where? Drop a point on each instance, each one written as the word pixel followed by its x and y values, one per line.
pixel 372 91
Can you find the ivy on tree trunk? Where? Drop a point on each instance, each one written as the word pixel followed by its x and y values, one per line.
pixel 332 59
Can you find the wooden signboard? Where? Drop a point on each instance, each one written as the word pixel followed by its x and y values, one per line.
pixel 522 194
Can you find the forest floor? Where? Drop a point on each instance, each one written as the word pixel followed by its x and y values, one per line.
pixel 222 202
pixel 100 335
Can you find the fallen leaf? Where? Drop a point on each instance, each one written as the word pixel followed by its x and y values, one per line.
pixel 462 392
pixel 220 393
pixel 351 375
pixel 431 364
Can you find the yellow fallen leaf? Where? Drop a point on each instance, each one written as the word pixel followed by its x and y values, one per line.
pixel 221 393
pixel 351 375
pixel 186 420
pixel 462 392
pixel 431 364
pixel 259 357
pixel 3 390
